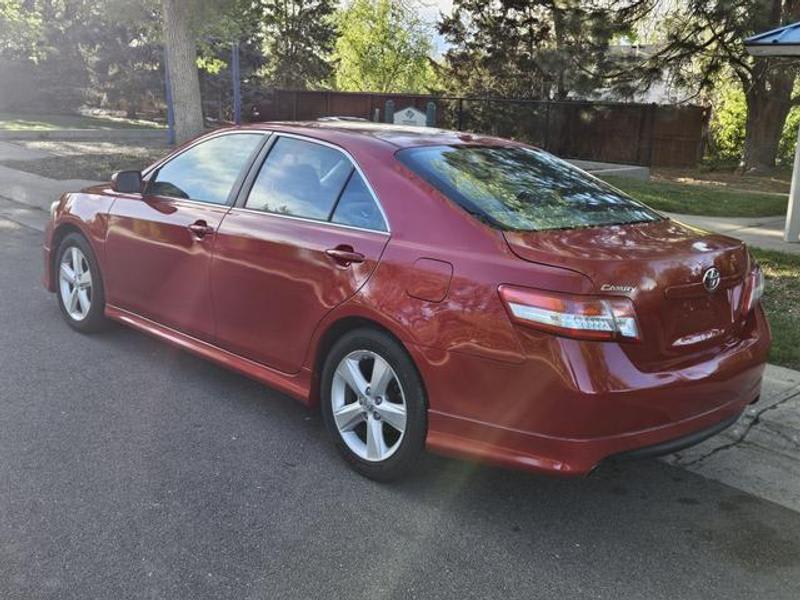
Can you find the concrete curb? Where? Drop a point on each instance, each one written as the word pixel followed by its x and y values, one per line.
pixel 33 218
pixel 9 151
pixel 34 190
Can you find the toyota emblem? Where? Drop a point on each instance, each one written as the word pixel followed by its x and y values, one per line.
pixel 711 279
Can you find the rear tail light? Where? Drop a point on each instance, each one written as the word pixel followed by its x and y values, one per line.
pixel 754 289
pixel 583 317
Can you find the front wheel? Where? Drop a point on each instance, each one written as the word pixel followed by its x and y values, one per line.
pixel 373 404
pixel 80 288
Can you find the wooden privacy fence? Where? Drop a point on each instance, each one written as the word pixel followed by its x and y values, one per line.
pixel 640 134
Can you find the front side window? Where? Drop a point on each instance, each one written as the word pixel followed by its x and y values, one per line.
pixel 523 189
pixel 206 172
pixel 301 179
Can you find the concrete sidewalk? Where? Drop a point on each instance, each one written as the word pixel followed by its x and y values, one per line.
pixel 761 232
pixel 118 134
pixel 618 170
pixel 760 454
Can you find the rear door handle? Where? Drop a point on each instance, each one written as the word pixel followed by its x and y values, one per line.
pixel 200 229
pixel 345 255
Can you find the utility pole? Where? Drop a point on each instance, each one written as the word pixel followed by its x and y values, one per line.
pixel 237 84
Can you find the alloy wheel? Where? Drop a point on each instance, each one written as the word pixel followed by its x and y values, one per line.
pixel 75 283
pixel 368 405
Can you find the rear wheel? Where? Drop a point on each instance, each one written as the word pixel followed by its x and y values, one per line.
pixel 79 285
pixel 373 404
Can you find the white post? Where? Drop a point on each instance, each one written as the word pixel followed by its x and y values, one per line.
pixel 792 231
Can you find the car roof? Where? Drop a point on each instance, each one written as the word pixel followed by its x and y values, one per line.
pixel 345 133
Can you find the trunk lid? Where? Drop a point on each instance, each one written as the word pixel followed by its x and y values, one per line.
pixel 660 266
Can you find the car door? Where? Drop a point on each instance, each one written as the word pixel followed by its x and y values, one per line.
pixel 159 244
pixel 305 235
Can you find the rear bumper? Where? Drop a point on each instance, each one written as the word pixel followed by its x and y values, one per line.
pixel 571 457
pixel 558 416
pixel 678 444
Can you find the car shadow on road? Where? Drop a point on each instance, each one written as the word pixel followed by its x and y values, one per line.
pixel 628 504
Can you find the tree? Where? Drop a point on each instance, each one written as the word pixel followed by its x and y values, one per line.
pixel 282 42
pixel 727 122
pixel 234 21
pixel 124 55
pixel 20 29
pixel 704 42
pixel 382 47
pixel 182 62
pixel 298 40
pixel 536 48
pixel 62 54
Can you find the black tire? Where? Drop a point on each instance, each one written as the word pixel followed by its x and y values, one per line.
pixel 94 319
pixel 412 442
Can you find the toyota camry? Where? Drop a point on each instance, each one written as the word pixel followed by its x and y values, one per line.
pixel 423 288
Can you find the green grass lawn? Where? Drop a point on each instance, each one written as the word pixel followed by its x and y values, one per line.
pixel 782 304
pixel 36 122
pixel 92 160
pixel 704 200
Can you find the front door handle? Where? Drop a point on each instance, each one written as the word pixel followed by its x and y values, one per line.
pixel 200 229
pixel 344 255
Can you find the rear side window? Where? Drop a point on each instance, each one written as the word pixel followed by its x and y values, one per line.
pixel 357 208
pixel 207 171
pixel 301 179
pixel 523 189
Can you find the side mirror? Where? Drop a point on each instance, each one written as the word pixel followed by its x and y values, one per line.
pixel 127 182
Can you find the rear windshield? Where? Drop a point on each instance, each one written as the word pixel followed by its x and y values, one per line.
pixel 523 189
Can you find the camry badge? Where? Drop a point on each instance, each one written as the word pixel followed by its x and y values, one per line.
pixel 611 287
pixel 711 279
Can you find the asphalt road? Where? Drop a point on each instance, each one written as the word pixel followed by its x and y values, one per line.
pixel 129 469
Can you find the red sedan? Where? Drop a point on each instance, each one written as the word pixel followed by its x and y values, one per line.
pixel 424 288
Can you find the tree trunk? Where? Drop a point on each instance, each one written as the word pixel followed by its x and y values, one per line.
pixel 765 119
pixel 768 97
pixel 182 61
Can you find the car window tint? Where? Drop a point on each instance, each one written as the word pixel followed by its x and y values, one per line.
pixel 300 178
pixel 522 188
pixel 207 171
pixel 357 207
